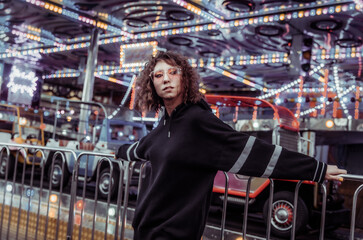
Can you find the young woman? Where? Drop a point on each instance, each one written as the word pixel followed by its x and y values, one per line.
pixel 189 146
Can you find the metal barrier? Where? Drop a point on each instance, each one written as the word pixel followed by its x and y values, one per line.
pixel 31 200
pixel 355 197
pixel 296 194
pixel 268 231
pixel 322 222
pixel 30 197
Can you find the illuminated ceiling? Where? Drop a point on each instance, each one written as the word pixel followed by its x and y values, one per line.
pixel 240 47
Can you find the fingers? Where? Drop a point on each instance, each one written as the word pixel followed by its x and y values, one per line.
pixel 333 172
pixel 339 172
pixel 334 178
pixel 342 171
pixel 338 178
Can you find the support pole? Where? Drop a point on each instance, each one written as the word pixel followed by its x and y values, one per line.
pixel 87 93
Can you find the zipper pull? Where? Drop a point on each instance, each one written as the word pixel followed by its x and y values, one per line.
pixel 168 134
pixel 164 122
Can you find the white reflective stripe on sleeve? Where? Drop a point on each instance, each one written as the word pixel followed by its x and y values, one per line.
pixel 273 160
pixel 321 173
pixel 135 154
pixel 244 155
pixel 316 170
pixel 128 151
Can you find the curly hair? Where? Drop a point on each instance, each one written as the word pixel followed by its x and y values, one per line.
pixel 147 99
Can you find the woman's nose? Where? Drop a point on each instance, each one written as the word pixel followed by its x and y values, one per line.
pixel 166 77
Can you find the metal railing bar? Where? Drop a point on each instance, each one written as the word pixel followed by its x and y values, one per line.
pixel 119 198
pixel 269 215
pixel 354 210
pixel 83 198
pixel 245 214
pixel 225 201
pixel 323 212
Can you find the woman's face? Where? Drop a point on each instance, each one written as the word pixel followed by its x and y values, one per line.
pixel 167 82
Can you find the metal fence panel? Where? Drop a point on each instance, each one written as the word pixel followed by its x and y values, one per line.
pixel 34 204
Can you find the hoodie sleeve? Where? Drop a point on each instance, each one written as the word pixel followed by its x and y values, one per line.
pixel 138 150
pixel 236 152
pixel 123 151
pixel 128 152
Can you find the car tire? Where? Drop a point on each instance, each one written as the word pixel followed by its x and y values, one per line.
pixel 282 214
pixel 7 163
pixel 104 182
pixel 56 178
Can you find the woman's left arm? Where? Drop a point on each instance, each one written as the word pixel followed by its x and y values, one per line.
pixel 333 172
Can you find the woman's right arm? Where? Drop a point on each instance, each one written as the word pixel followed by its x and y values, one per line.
pixel 128 152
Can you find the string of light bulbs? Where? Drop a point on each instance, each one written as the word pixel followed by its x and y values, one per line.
pixel 320 106
pixel 339 91
pixel 273 92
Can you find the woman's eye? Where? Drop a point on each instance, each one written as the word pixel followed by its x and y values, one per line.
pixel 158 75
pixel 173 71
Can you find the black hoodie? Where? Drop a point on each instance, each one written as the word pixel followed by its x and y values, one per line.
pixel 185 152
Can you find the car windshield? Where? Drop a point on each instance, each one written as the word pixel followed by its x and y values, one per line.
pixel 124 132
pixel 8 116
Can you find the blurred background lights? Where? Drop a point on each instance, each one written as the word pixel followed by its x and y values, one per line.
pixel 9 188
pixel 80 204
pixel 111 212
pixel 255 124
pixel 22 81
pixel 329 123
pixel 53 198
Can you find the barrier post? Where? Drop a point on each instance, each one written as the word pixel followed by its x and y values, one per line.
pixel 244 227
pixel 225 201
pixel 323 212
pixel 129 167
pixel 270 200
pixel 119 198
pixel 294 216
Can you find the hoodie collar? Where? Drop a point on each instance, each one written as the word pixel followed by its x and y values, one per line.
pixel 202 103
pixel 176 110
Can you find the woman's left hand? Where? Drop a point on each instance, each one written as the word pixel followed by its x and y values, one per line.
pixel 333 172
